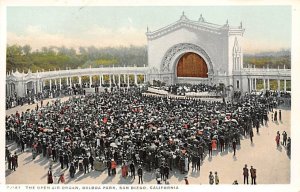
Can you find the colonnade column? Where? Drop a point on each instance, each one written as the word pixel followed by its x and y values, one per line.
pixel 34 87
pixel 114 80
pixel 264 84
pixel 119 79
pixel 101 79
pixel 255 84
pixel 285 85
pixel 55 84
pixel 79 81
pixel 25 88
pixel 128 84
pixel 59 83
pixel 37 86
pixel 135 79
pixel 91 81
pixel 278 84
pixel 50 84
pixel 268 83
pixel 250 84
pixel 41 85
pixel 109 80
pixel 70 81
pixel 7 89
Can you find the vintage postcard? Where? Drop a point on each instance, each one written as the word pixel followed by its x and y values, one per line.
pixel 149 96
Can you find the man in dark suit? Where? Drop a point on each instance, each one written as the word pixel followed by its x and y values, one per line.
pixel 234 146
pixel 108 164
pixel 91 160
pixel 253 175
pixel 61 160
pixel 246 174
pixel 166 171
pixel 66 160
pixel 86 164
pixel 251 136
pixel 132 170
pixel 140 174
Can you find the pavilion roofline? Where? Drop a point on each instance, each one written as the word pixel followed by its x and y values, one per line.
pixel 200 24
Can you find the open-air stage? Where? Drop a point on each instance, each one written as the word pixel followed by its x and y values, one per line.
pixel 272 163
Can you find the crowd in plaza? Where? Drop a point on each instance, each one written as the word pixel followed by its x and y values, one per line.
pixel 186 87
pixel 31 97
pixel 134 132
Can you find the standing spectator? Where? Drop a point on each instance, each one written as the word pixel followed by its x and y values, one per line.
pixel 86 164
pixel 140 174
pixel 209 150
pixel 279 115
pixel 186 180
pixel 91 160
pixel 284 138
pixel 13 162
pixel 167 172
pixel 216 178
pixel 211 178
pixel 61 178
pixel 277 138
pixel 61 160
pixel 66 160
pixel 72 170
pixel 253 175
pixel 7 153
pixel 246 174
pixel 16 159
pixel 124 170
pixel 251 136
pixel 113 167
pixel 132 170
pixel 234 146
pixel 288 147
pixel 157 174
pixel 50 177
pixel 10 162
pixel 108 165
pixel 162 172
pixel 272 117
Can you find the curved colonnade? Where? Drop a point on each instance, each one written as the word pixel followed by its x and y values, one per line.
pixel 21 82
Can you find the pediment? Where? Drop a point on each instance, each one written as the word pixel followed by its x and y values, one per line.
pixel 200 25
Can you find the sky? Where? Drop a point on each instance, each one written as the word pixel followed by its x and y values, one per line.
pixel 267 28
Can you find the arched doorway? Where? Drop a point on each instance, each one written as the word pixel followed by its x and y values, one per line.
pixel 192 65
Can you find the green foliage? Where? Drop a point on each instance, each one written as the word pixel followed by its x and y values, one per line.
pixel 273 60
pixel 274 85
pixel 51 58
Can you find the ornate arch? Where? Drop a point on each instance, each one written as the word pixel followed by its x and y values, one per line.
pixel 178 49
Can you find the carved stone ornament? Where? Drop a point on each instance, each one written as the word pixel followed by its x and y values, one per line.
pixel 182 47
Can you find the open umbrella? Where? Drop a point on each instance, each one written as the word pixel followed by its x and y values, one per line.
pixel 114 145
pixel 234 120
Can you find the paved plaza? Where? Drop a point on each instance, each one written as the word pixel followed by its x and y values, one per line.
pixel 272 163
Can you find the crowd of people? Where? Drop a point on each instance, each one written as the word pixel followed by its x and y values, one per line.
pixel 134 131
pixel 31 97
pixel 182 88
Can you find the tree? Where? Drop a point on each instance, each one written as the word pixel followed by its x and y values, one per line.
pixel 26 49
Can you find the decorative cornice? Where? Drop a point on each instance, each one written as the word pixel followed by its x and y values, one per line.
pixel 200 25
